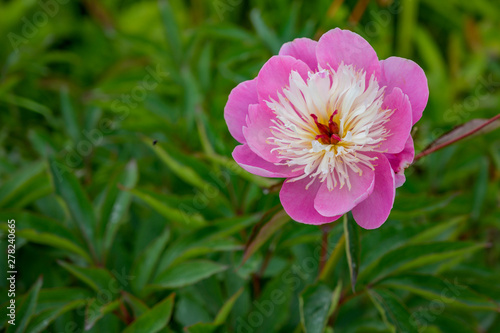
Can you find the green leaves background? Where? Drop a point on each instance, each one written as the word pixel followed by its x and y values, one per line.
pixel 115 233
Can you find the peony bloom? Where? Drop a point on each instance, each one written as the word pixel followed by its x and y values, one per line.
pixel 335 122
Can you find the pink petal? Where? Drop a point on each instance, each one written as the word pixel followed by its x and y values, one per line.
pixel 236 109
pixel 400 161
pixel 252 163
pixel 400 122
pixel 372 212
pixel 303 49
pixel 410 78
pixel 299 202
pixel 274 76
pixel 337 46
pixel 339 201
pixel 257 132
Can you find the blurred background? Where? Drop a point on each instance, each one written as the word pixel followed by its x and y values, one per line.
pixel 115 162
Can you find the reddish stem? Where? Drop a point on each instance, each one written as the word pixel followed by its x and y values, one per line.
pixel 463 136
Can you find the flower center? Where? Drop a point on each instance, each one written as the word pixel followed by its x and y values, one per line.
pixel 329 134
pixel 324 124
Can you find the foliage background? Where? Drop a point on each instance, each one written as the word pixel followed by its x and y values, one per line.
pixel 109 225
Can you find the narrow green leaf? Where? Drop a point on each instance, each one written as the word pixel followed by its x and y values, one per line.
pixel 69 116
pixel 117 202
pixel 220 319
pixel 413 256
pixel 53 240
pixel 392 310
pixel 269 229
pixel 40 322
pixel 352 248
pixel 440 229
pixel 333 260
pixel 201 328
pixel 146 262
pixel 186 273
pixel 26 309
pixel 433 287
pixel 316 302
pixel 481 187
pixel 171 30
pixel 42 230
pixel 96 310
pixel 69 189
pixel 174 215
pixel 96 278
pixel 267 35
pixel 233 167
pixel 19 181
pixel 226 308
pixel 154 319
pixel 138 307
pixel 59 297
pixel 184 172
pixel 336 297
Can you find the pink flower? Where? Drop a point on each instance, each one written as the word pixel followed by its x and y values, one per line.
pixel 335 121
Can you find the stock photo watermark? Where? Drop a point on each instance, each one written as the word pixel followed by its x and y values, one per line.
pixel 32 24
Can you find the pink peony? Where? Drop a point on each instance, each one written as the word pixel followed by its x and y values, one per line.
pixel 335 122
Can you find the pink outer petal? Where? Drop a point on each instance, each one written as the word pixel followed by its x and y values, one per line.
pixel 275 75
pixel 372 212
pixel 299 202
pixel 400 122
pixel 236 109
pixel 400 161
pixel 341 200
pixel 410 78
pixel 303 49
pixel 252 163
pixel 258 130
pixel 337 46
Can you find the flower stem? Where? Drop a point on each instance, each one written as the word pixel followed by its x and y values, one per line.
pixel 463 136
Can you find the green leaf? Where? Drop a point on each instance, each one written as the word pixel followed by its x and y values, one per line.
pixel 269 229
pixel 69 116
pixel 333 260
pixel 116 203
pixel 40 322
pixel 413 256
pixel 184 172
pixel 145 263
pixel 138 307
pixel 433 287
pixel 42 230
pixel 172 214
pixel 438 230
pixel 219 320
pixel 352 248
pixel 154 319
pixel 205 240
pixel 26 309
pixel 69 189
pixel 233 167
pixel 96 310
pixel 19 182
pixel 171 30
pixel 392 310
pixel 316 305
pixel 98 279
pixel 265 33
pixel 226 308
pixel 59 297
pixel 186 273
